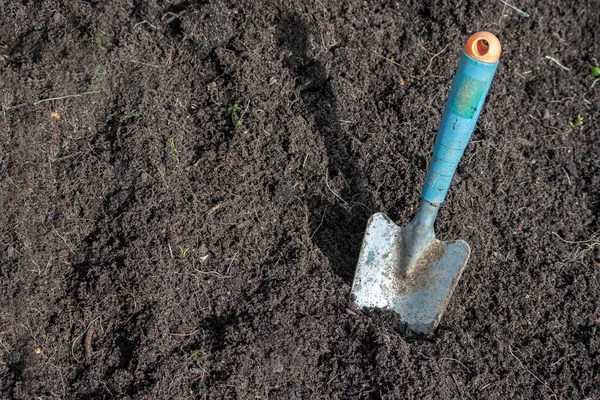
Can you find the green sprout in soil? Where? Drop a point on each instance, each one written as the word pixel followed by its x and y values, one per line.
pixel 174 151
pixel 291 144
pixel 197 353
pixel 88 229
pixel 593 71
pixel 99 39
pixel 197 360
pixel 182 251
pixel 232 333
pixel 56 83
pixel 576 123
pixel 98 75
pixel 133 114
pixel 231 110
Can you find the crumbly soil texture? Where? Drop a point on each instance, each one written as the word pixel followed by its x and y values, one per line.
pixel 184 186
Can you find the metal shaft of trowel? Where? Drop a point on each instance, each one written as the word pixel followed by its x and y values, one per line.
pixel 471 83
pixel 418 236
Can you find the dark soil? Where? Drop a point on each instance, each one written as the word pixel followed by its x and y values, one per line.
pixel 157 241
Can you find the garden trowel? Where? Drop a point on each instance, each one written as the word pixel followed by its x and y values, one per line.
pixel 406 269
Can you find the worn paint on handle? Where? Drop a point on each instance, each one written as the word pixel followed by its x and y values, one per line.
pixel 469 89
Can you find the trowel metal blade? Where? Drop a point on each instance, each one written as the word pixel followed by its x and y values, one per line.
pixel 420 297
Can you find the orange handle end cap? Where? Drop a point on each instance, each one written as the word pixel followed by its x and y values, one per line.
pixel 484 47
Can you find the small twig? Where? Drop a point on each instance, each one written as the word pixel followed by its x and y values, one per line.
pixel 49 360
pixel 332 379
pixel 245 110
pixel 141 23
pixel 460 390
pixel 13 182
pixel 170 250
pixel 501 16
pixel 48 264
pixel 402 81
pixel 455 360
pixel 387 59
pixel 183 334
pixel 574 242
pixel 520 12
pixel 169 14
pixel 12 247
pixel 560 360
pixel 307 154
pixel 38 267
pixel 554 60
pixel 321 223
pixel 593 83
pixel 331 190
pixel 531 373
pixel 560 101
pixel 434 57
pixel 487 385
pixel 568 179
pixel 64 240
pixel 65 97
pixel 232 259
pixel 214 273
pixel 584 247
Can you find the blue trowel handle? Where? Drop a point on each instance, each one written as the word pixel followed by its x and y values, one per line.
pixel 471 83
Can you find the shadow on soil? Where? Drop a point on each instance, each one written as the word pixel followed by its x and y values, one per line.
pixel 336 227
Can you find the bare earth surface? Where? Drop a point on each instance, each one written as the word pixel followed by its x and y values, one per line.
pixel 184 186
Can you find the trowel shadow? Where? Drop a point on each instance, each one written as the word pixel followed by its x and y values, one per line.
pixel 337 227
